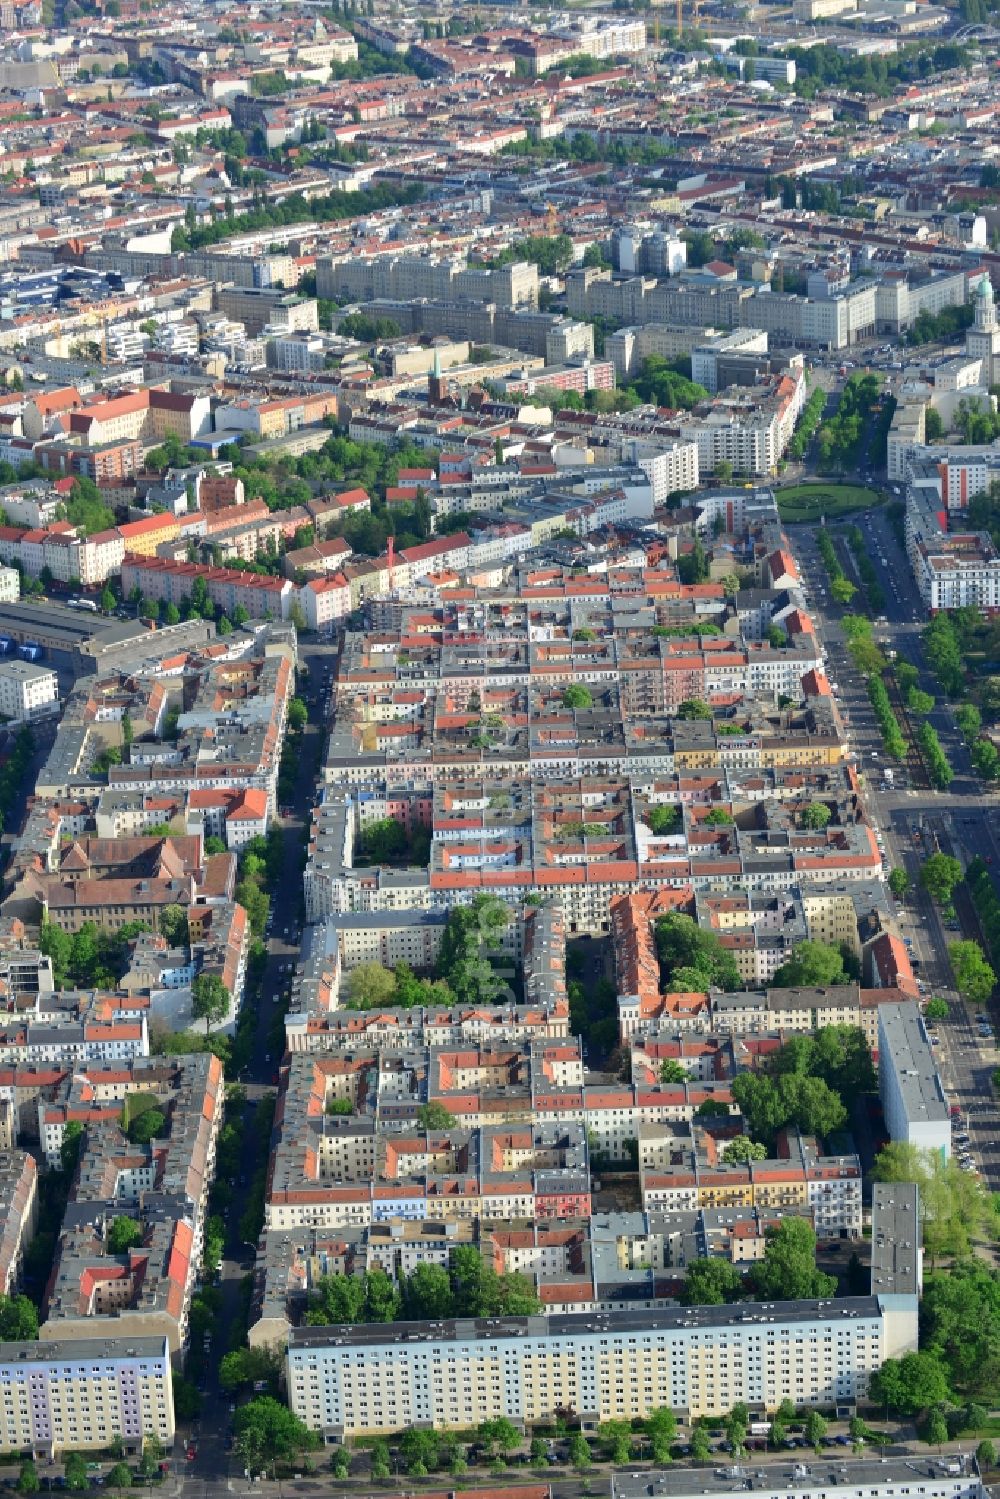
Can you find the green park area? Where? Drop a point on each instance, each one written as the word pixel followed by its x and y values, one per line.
pixel 807 502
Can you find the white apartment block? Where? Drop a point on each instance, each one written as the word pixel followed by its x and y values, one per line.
pixel 959 570
pixel 10 585
pixel 79 1395
pixel 913 1098
pixel 668 468
pixel 25 690
pixel 621 1366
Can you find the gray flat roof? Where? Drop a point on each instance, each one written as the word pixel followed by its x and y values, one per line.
pixel 73 1350
pixel 895 1239
pixel 840 1471
pixel 666 1319
pixel 903 1040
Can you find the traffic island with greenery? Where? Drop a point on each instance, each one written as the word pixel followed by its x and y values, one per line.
pixel 838 442
pixel 866 569
pixel 986 904
pixel 805 427
pixel 817 501
pixel 936 763
pixel 842 590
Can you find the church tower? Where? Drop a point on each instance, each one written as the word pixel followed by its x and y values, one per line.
pixel 982 340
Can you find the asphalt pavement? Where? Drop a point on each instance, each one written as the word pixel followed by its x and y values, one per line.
pixel 913 820
pixel 209 1472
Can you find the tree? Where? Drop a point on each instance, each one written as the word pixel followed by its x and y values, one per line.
pixel 75 1471
pixel 380 1460
pixel 500 1433
pixel 815 815
pixel 108 601
pixel 122 1235
pixel 953 1206
pixel 266 1430
pixel 579 1452
pixel 337 1299
pixel 369 986
pixel 743 1149
pixel 986 759
pixel 963 1326
pixel 910 1384
pixel 711 1283
pixel 384 841
pixel 811 964
pixel 419 1450
pixel 975 980
pixel 209 999
pixel 815 1429
pixel 692 566
pixel 693 707
pixel 969 721
pixel 671 1071
pixel 577 696
pixel 662 820
pixel 214 845
pixel 427 1295
pixel 937 1009
pixel 69 1149
pixel 298 715
pixel 937 1429
pixel 382 1300
pixel 986 1454
pixel 899 883
pixel 247 1366
pixel 661 1428
pixel 939 875
pixel 788 1270
pixel 693 957
pixel 701 1447
pixel 434 1115
pixel 27 1478
pixel 174 925
pixel 18 1320
pixel 618 1438
pixel 340 1466
pixel 119 1477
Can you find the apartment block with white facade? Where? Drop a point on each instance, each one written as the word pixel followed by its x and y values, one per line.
pixel 345 1381
pixel 910 1087
pixel 58 1396
pixel 25 689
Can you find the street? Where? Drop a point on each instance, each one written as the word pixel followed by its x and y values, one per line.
pixel 911 822
pixel 214 1425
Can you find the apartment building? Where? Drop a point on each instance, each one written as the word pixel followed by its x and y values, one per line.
pixel 26 690
pixel 910 1087
pixel 258 307
pixel 409 277
pixel 62 1395
pixel 619 1366
pixel 18 1212
pixel 685 1169
pixel 171 582
pixel 164 1186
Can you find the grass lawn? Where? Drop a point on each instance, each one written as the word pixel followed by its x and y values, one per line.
pixel 800 502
